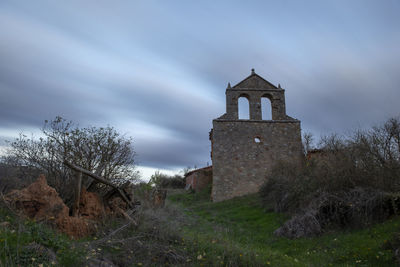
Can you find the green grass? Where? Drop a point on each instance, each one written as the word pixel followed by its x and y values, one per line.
pixel 28 243
pixel 239 230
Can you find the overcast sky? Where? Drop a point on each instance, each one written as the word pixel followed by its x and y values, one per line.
pixel 158 70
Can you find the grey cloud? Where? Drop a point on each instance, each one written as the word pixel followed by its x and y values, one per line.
pixel 110 63
pixel 173 153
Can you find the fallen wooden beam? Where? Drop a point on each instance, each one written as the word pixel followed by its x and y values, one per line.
pixel 101 180
pixel 88 173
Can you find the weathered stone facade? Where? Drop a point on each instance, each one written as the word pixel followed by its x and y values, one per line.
pixel 243 151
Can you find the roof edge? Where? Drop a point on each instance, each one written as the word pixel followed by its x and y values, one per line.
pixel 250 76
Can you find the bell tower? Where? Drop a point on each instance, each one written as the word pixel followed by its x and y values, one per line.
pixel 244 151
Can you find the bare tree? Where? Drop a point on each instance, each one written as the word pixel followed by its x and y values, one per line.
pixel 101 150
pixel 308 140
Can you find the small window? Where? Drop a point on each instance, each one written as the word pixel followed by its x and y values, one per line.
pixel 257 140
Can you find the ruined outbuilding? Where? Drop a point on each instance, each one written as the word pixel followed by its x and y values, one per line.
pixel 198 179
pixel 244 150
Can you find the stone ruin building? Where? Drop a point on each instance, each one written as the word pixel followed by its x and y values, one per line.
pixel 244 150
pixel 198 180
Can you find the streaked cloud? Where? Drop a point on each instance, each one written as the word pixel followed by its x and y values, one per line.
pixel 158 70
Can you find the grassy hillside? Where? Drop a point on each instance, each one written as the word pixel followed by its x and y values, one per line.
pixel 29 243
pixel 192 231
pixel 242 231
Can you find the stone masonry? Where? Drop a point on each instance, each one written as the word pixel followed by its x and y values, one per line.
pixel 244 151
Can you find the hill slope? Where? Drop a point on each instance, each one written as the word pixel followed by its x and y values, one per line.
pixel 192 231
pixel 241 226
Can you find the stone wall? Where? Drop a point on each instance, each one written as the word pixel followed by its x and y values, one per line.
pixel 240 164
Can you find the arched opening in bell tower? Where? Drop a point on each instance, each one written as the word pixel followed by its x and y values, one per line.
pixel 266 108
pixel 244 108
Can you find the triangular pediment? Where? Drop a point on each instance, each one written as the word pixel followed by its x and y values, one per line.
pixel 255 81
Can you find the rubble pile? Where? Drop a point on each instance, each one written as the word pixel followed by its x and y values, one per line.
pixel 41 202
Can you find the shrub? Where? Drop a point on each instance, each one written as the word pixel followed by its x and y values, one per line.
pixel 351 181
pixel 162 180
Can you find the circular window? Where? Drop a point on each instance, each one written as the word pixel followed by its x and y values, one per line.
pixel 257 139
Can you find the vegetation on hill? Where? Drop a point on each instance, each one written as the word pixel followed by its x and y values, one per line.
pixel 24 242
pixel 240 232
pixel 350 182
pixel 151 239
pixel 193 231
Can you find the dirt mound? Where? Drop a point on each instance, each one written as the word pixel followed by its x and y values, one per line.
pixel 91 206
pixel 38 201
pixel 75 227
pixel 41 202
